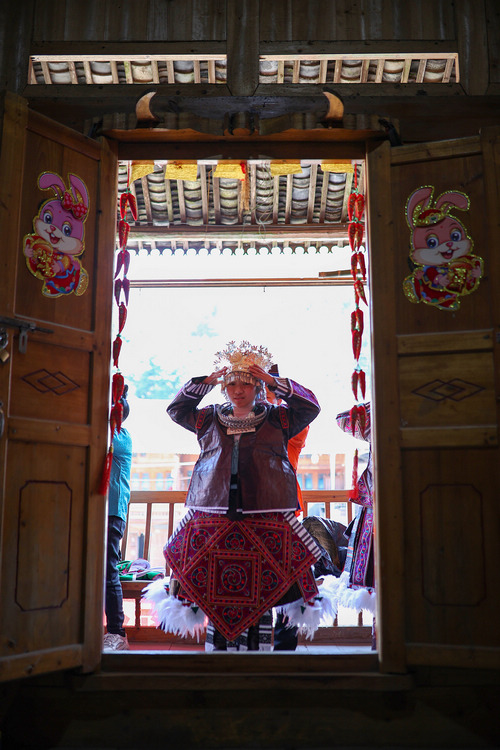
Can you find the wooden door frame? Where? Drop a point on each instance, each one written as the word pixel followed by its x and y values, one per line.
pixel 310 144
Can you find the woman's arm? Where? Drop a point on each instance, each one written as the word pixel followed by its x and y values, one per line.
pixel 184 408
pixel 302 404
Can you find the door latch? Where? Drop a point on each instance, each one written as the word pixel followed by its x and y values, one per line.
pixel 23 326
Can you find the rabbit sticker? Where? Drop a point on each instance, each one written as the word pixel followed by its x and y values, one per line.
pixel 52 250
pixel 444 267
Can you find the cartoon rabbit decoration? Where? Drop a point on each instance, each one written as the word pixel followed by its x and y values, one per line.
pixel 51 251
pixel 444 268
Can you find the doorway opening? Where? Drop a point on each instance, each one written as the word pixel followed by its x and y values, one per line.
pixel 194 287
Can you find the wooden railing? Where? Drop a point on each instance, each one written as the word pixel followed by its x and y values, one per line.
pixel 176 499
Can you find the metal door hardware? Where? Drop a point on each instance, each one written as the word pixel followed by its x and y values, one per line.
pixel 23 326
pixel 4 340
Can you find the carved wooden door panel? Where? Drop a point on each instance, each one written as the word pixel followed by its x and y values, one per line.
pixel 54 390
pixel 436 365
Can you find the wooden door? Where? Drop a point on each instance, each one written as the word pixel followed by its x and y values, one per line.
pixel 436 394
pixel 54 389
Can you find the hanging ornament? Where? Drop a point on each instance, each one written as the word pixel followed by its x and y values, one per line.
pixel 121 285
pixel 355 234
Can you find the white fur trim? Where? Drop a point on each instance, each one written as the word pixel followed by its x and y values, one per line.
pixel 344 595
pixel 308 617
pixel 171 614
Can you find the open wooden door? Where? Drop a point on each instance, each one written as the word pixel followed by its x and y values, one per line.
pixel 436 393
pixel 54 392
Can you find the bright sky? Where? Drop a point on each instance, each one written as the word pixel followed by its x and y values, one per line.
pixel 307 329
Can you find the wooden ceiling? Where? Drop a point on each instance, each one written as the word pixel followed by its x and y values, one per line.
pixel 307 208
pixel 437 67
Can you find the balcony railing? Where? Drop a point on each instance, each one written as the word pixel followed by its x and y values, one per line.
pixel 150 509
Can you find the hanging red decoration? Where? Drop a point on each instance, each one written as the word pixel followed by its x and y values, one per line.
pixel 353 494
pixel 117 346
pixel 116 417
pixel 355 234
pixel 122 317
pixel 122 284
pixel 117 386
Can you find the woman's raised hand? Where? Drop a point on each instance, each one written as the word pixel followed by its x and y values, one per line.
pixel 261 374
pixel 215 377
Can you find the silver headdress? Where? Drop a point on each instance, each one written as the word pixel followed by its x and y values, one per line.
pixel 238 358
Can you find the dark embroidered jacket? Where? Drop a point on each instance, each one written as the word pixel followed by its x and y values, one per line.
pixel 267 481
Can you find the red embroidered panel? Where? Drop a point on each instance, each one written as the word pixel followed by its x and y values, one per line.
pixel 237 570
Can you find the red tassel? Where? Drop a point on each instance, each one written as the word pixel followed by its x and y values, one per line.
pixel 106 472
pixel 355 469
pixel 115 418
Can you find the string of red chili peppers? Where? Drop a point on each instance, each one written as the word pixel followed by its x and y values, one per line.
pixel 121 285
pixel 355 210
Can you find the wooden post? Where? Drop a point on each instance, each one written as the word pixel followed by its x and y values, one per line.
pixel 470 20
pixel 242 34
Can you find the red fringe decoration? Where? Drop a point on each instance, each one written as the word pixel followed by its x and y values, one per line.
pixel 353 494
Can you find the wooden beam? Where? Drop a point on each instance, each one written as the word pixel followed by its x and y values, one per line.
pixel 182 203
pixel 242 34
pixel 253 192
pixel 344 278
pixel 324 193
pixel 141 51
pixel 288 198
pixel 276 198
pixel 250 233
pixel 216 185
pixel 147 201
pixel 134 146
pixel 472 37
pixel 204 192
pixel 355 50
pixel 312 193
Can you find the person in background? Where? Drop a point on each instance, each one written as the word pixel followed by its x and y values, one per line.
pixel 285 636
pixel 115 638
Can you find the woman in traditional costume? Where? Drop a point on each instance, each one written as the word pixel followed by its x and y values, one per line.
pixel 355 587
pixel 239 550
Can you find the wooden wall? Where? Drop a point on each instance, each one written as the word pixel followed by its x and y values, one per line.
pixel 245 29
pixel 130 20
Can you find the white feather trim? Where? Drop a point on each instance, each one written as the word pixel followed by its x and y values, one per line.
pixel 308 617
pixel 171 614
pixel 344 595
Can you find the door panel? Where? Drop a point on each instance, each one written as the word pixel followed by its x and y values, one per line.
pixel 436 419
pixel 52 382
pixel 55 395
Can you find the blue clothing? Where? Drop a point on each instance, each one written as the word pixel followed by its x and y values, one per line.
pixel 119 482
